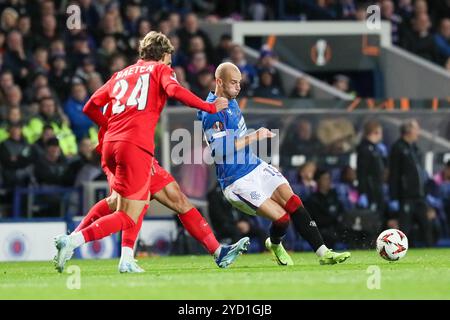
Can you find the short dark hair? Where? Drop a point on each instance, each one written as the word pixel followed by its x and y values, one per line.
pixel 52 142
pixel 319 173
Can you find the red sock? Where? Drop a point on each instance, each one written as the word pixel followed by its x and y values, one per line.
pixel 107 225
pixel 129 236
pixel 293 204
pixel 199 229
pixel 100 209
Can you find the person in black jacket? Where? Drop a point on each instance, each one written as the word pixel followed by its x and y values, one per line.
pixel 325 208
pixel 15 158
pixel 407 181
pixel 370 168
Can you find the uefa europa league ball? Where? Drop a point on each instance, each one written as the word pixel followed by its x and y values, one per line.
pixel 392 244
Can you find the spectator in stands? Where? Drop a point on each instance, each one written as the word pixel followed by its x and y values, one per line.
pixel 230 224
pixel 84 156
pixel 14 117
pixel 204 84
pixel 9 19
pixel 107 50
pixel 405 9
pixel 248 71
pixel 190 29
pixel 164 27
pixel 442 39
pixel 16 58
pixel 267 88
pixel 304 184
pixel 257 10
pixel 443 176
pixel 420 41
pixel 51 166
pixel 24 27
pixel 15 158
pixel 388 13
pixel 83 71
pixel 300 140
pixel 144 27
pixel 57 47
pixel 407 180
pixel 81 125
pixel 80 49
pixel 302 89
pixel 117 63
pixel 342 83
pixel 50 114
pixel 321 10
pixel 39 80
pixel 38 148
pixel 196 45
pixel 89 14
pixel 371 167
pixel 6 82
pixel 222 51
pixel 49 31
pixel 347 10
pixel 94 82
pixel 132 14
pixel 325 208
pixel 197 63
pixel 420 7
pixel 267 61
pixel 361 12
pixel 13 99
pixel 174 20
pixel 179 58
pixel 49 171
pixel 348 188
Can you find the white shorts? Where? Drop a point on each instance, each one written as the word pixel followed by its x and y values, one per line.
pixel 249 192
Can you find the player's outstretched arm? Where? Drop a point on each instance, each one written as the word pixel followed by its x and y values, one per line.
pixel 100 98
pixel 94 112
pixel 178 92
pixel 260 134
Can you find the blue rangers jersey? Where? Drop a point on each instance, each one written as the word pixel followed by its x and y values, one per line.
pixel 221 130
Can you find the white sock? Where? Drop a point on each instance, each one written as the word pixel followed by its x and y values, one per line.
pixel 321 251
pixel 127 252
pixel 217 252
pixel 77 239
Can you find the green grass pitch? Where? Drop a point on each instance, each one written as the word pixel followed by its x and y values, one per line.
pixel 422 274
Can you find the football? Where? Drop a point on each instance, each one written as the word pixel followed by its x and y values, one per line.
pixel 392 244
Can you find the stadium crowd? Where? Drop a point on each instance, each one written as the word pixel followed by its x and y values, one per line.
pixel 48 72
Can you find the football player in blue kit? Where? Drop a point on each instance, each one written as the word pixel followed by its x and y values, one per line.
pixel 249 183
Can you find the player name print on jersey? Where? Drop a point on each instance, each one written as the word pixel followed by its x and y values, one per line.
pixel 133 70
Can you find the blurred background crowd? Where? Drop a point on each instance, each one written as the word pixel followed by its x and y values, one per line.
pixel 48 72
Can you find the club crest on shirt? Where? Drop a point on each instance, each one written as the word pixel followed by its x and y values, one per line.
pixel 218 126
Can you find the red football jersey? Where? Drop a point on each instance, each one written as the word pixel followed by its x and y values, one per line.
pixel 136 96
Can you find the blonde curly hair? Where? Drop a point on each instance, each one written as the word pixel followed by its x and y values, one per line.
pixel 154 45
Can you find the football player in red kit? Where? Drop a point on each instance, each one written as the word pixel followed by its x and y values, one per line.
pixel 164 189
pixel 137 95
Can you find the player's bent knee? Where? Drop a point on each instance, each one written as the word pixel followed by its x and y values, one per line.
pixel 293 204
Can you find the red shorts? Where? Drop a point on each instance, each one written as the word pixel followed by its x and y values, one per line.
pixel 130 167
pixel 160 178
